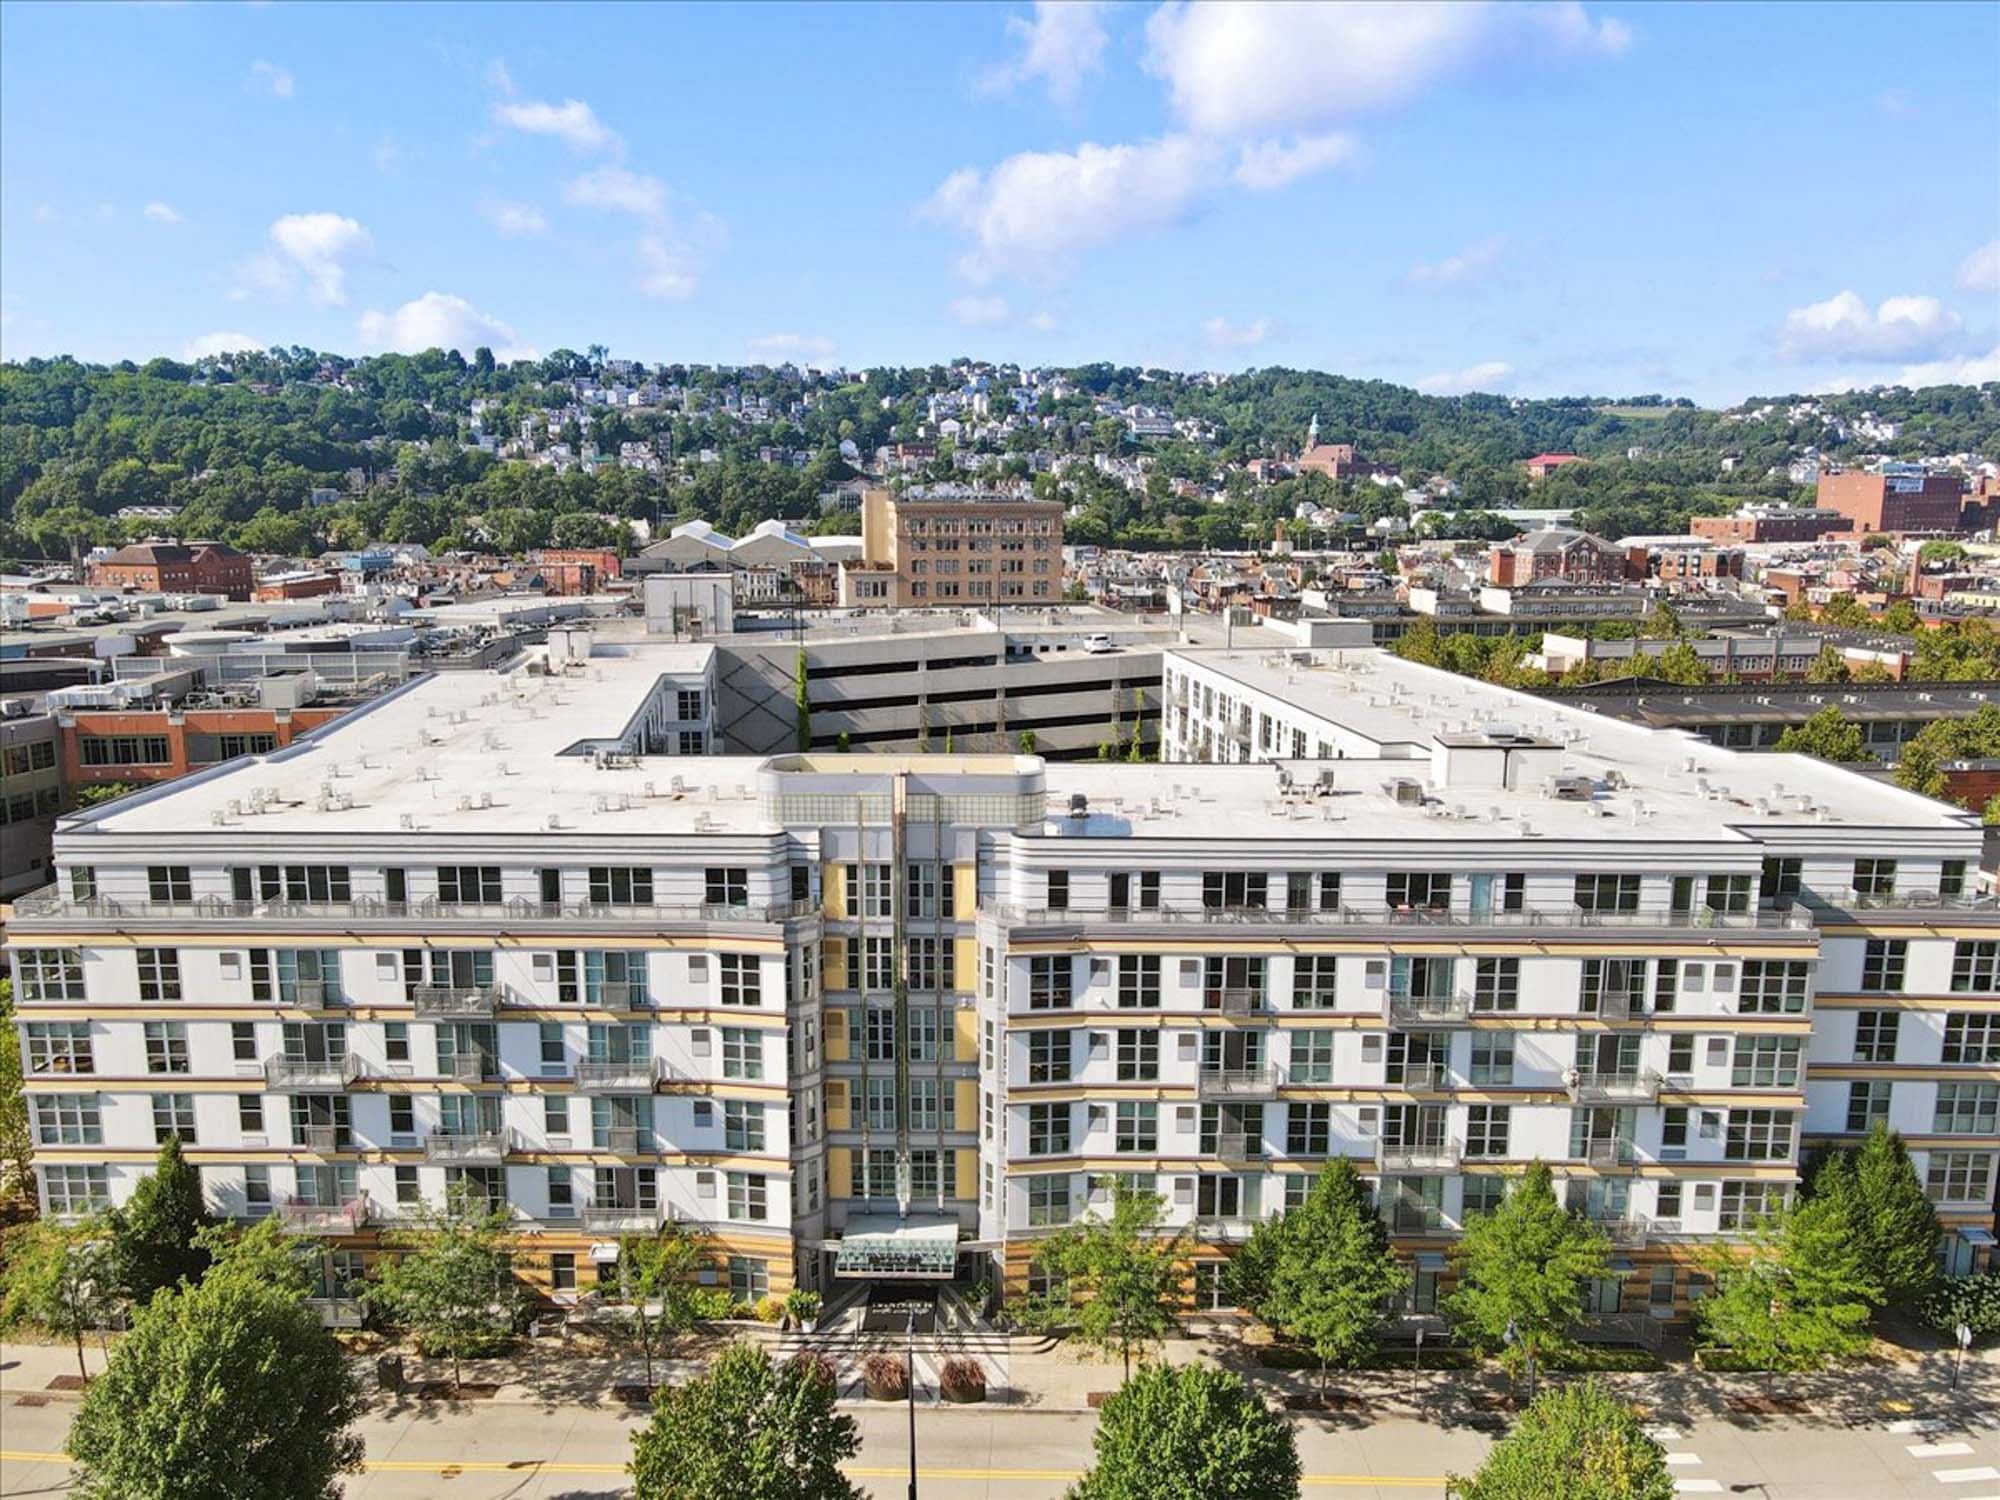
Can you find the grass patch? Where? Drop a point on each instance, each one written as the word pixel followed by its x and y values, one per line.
pixel 1605 1357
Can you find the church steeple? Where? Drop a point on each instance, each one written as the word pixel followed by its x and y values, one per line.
pixel 1312 434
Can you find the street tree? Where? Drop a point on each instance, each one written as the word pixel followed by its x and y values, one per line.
pixel 265 1253
pixel 1327 1270
pixel 1800 1294
pixel 658 1275
pixel 231 1389
pixel 62 1278
pixel 1189 1432
pixel 156 1233
pixel 747 1429
pixel 17 1145
pixel 449 1279
pixel 1892 1214
pixel 1123 1267
pixel 1577 1443
pixel 1521 1270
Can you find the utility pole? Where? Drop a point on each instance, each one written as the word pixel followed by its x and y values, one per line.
pixel 910 1390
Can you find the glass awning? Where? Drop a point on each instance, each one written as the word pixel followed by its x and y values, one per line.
pixel 881 1247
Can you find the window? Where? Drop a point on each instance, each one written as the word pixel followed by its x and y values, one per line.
pixel 1766 1062
pixel 159 974
pixel 1058 890
pixel 408 1190
pixel 169 883
pixel 1971 1038
pixel 56 974
pixel 1781 881
pixel 741 978
pixel 749 1280
pixel 396 1041
pixel 880 1033
pixel 555 1116
pixel 1875 1035
pixel 1758 1135
pixel 1874 877
pixel 620 885
pixel 468 885
pixel 1959 1177
pixel 1307 890
pixel 173 1116
pixel 1492 1057
pixel 1975 967
pixel 1314 982
pixel 125 750
pixel 1308 1129
pixel 1883 963
pixel 1051 983
pixel 1744 1203
pixel 295 976
pixel 1867 1105
pixel 1426 889
pixel 57 1047
pixel 1607 892
pixel 1226 981
pixel 1967 1109
pixel 1951 878
pixel 1613 986
pixel 1235 890
pixel 256 1192
pixel 1138 1128
pixel 687 704
pixel 1666 983
pixel 292 883
pixel 72 1191
pixel 1138 982
pixel 726 885
pixel 932 965
pixel 1048 1056
pixel 1486 1129
pixel 166 1047
pixel 869 891
pixel 1048 1200
pixel 1496 984
pixel 742 1053
pixel 1048 1129
pixel 747 1198
pixel 1483 1194
pixel 1138 1055
pixel 1772 987
pixel 1312 1057
pixel 67 1120
pixel 562 1263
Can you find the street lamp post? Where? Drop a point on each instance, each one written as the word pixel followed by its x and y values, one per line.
pixel 910 1391
pixel 1964 1338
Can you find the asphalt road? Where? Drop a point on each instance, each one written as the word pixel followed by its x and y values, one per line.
pixel 478 1451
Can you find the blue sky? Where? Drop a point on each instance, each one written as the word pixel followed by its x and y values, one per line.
pixel 1607 198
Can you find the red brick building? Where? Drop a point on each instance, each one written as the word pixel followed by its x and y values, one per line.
pixel 576 570
pixel 1795 523
pixel 282 586
pixel 1556 553
pixel 161 744
pixel 175 568
pixel 1895 503
pixel 1544 464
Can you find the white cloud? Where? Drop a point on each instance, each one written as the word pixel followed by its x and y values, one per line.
pixel 1469 265
pixel 614 187
pixel 1972 369
pixel 498 76
pixel 438 320
pixel 1843 327
pixel 162 213
pixel 1262 166
pixel 571 122
pixel 1491 375
pixel 1045 322
pixel 671 248
pixel 1980 271
pixel 791 348
pixel 667 268
pixel 513 220
pixel 980 312
pixel 271 79
pixel 318 246
pixel 1061 45
pixel 1237 67
pixel 219 343
pixel 1033 212
pixel 1223 334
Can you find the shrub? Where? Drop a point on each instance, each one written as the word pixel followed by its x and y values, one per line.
pixel 963 1379
pixel 770 1308
pixel 802 1305
pixel 886 1377
pixel 1971 1300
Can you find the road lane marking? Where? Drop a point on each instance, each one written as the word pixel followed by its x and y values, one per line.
pixel 1964 1476
pixel 1698 1486
pixel 1939 1450
pixel 1683 1459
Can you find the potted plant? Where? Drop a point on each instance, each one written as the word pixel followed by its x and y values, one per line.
pixel 884 1377
pixel 803 1307
pixel 963 1380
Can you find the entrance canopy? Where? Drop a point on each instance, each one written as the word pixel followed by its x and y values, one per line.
pixel 883 1247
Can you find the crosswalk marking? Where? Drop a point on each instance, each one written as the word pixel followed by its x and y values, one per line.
pixel 1965 1476
pixel 1662 1434
pixel 1682 1459
pixel 1914 1426
pixel 1939 1450
pixel 1698 1486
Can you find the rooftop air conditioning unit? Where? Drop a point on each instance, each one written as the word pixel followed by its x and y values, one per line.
pixel 1407 791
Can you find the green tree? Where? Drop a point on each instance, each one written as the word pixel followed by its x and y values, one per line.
pixel 230 1388
pixel 156 1234
pixel 95 793
pixel 657 1275
pixel 1027 742
pixel 1663 624
pixel 1189 1432
pixel 1901 616
pixel 1680 663
pixel 62 1278
pixel 17 1143
pixel 802 704
pixel 1521 1270
pixel 1577 1443
pixel 1892 1214
pixel 1327 1270
pixel 1829 666
pixel 1846 610
pixel 1828 734
pixel 450 1280
pixel 748 1430
pixel 262 1253
pixel 1122 1266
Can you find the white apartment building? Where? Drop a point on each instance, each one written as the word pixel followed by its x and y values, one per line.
pixel 891 1016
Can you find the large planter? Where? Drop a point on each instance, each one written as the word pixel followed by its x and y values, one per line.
pixel 964 1395
pixel 886 1389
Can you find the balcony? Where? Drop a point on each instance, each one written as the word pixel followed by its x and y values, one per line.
pixel 52 905
pixel 323 1140
pixel 616 994
pixel 480 1067
pixel 1237 1083
pixel 624 1140
pixel 634 1075
pixel 456 1002
pixel 1641 1087
pixel 1427 1010
pixel 1416 1157
pixel 336 1312
pixel 300 1217
pixel 620 1218
pixel 1625 1231
pixel 456 1149
pixel 1619 1007
pixel 1234 1002
pixel 285 1074
pixel 1234 1145
pixel 1424 1078
pixel 1610 1154
pixel 311 994
pixel 1415 1218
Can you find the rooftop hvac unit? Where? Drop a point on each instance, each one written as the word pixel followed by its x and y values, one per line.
pixel 1572 788
pixel 1407 791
